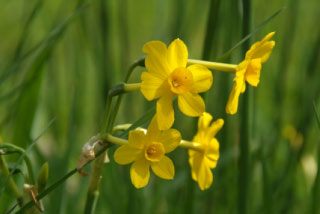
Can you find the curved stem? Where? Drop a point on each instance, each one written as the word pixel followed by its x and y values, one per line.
pixel 93 192
pixel 120 127
pixel 97 166
pixel 115 140
pixel 139 62
pixel 118 89
pixel 57 183
pixel 27 160
pixel 12 185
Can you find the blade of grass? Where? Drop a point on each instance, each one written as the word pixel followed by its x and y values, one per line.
pixel 246 122
pixel 26 29
pixel 58 182
pixel 209 52
pixel 210 29
pixel 26 151
pixel 40 48
pixel 249 35
pixel 316 185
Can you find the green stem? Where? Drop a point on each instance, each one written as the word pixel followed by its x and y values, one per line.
pixel 191 145
pixel 245 130
pixel 26 159
pixel 12 185
pixel 183 144
pixel 115 140
pixel 215 65
pixel 118 89
pixel 47 191
pixel 58 183
pixel 138 62
pixel 120 127
pixel 96 171
pixel 93 191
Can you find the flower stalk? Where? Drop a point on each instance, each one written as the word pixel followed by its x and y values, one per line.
pixel 120 89
pixel 183 144
pixel 191 145
pixel 16 149
pixel 4 171
pixel 215 65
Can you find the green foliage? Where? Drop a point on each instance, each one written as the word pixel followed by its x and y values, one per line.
pixel 58 59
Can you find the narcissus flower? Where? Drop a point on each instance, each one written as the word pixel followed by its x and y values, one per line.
pixel 249 70
pixel 168 76
pixel 146 150
pixel 203 160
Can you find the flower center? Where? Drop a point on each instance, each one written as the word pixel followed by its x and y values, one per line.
pixel 180 80
pixel 154 151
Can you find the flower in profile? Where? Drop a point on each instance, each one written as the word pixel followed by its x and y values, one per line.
pixel 168 76
pixel 149 149
pixel 204 159
pixel 249 70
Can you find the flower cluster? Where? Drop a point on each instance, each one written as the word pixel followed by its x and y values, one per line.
pixel 168 75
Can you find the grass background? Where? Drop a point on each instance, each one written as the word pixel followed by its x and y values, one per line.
pixel 58 63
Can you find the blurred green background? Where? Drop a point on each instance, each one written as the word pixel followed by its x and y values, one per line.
pixel 58 63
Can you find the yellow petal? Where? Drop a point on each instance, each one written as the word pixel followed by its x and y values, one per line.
pixel 137 139
pixel 165 113
pixel 215 127
pixel 152 85
pixel 252 75
pixel 202 78
pixel 195 161
pixel 204 121
pixel 126 154
pixel 164 168
pixel 205 177
pixel 212 153
pixel 233 101
pixel 170 139
pixel 177 54
pixel 156 61
pixel 268 36
pixel 139 173
pixel 261 49
pixel 191 104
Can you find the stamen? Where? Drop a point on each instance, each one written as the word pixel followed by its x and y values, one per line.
pixel 175 83
pixel 151 150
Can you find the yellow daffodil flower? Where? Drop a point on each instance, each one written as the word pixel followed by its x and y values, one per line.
pixel 149 149
pixel 249 70
pixel 205 158
pixel 168 76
